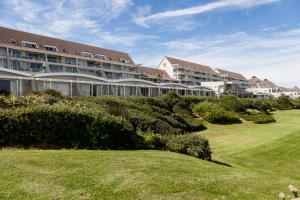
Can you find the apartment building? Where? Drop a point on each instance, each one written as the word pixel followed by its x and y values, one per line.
pixel 265 88
pixel 188 72
pixel 235 83
pixel 219 80
pixel 35 62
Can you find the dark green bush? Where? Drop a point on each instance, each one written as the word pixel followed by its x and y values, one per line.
pixel 261 105
pixel 188 144
pixel 231 103
pixel 259 118
pixel 193 124
pixel 170 99
pixel 296 103
pixel 53 93
pixel 281 103
pixel 64 126
pixel 213 113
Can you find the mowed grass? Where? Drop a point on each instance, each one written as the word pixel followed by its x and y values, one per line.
pixel 252 161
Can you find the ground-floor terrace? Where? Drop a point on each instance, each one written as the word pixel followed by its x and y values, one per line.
pixel 21 83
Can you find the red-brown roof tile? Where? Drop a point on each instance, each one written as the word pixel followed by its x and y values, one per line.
pixel 191 66
pixel 230 74
pixel 73 48
pixel 153 72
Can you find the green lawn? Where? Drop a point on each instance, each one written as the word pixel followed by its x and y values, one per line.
pixel 264 160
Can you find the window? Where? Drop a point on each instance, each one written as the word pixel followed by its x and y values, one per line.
pixel 54 68
pixel 2 52
pixel 15 53
pixel 51 48
pixel 52 59
pixel 87 54
pixel 29 44
pixel 3 63
pixel 16 65
pixel 101 57
pixel 71 70
pixel 35 67
pixel 124 60
pixel 70 61
pixel 13 41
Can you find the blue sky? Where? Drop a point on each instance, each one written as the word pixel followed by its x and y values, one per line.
pixel 253 37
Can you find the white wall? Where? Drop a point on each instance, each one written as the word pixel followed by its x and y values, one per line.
pixel 168 67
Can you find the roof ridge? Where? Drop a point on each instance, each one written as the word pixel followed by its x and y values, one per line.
pixel 63 40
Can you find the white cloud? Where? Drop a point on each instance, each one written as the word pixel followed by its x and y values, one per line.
pixel 145 21
pixel 143 10
pixel 274 55
pixel 73 18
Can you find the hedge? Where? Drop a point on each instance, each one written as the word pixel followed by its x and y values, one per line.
pixel 259 118
pixel 231 103
pixel 213 113
pixel 189 144
pixel 61 126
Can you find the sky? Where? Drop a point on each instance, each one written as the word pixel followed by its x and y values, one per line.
pixel 252 37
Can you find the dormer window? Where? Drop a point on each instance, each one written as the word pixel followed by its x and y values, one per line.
pixel 87 54
pixel 101 57
pixel 51 48
pixel 124 60
pixel 30 44
pixel 13 41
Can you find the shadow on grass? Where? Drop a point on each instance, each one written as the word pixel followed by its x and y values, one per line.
pixel 221 163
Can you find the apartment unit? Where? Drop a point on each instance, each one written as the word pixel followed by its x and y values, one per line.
pixel 35 62
pixel 235 83
pixel 265 88
pixel 188 72
pixel 219 80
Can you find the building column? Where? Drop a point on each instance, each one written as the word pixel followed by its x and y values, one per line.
pixel 71 89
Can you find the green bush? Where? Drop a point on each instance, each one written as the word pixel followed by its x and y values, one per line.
pixel 231 103
pixel 170 99
pixel 192 123
pixel 281 103
pixel 261 105
pixel 188 144
pixel 64 126
pixel 259 118
pixel 213 113
pixel 53 93
pixel 296 103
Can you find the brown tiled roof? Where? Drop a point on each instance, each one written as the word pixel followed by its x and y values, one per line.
pixel 153 72
pixel 191 66
pixel 266 82
pixel 230 74
pixel 254 80
pixel 73 48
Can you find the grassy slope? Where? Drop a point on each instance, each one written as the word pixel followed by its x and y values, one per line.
pixel 264 158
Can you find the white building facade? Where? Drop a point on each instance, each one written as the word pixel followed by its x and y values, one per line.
pixel 30 62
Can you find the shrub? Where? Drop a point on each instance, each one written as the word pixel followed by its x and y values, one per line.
pixel 189 144
pixel 296 103
pixel 54 93
pixel 117 109
pixel 259 118
pixel 213 113
pixel 281 103
pixel 63 126
pixel 193 124
pixel 231 103
pixel 261 105
pixel 170 99
pixel 247 103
